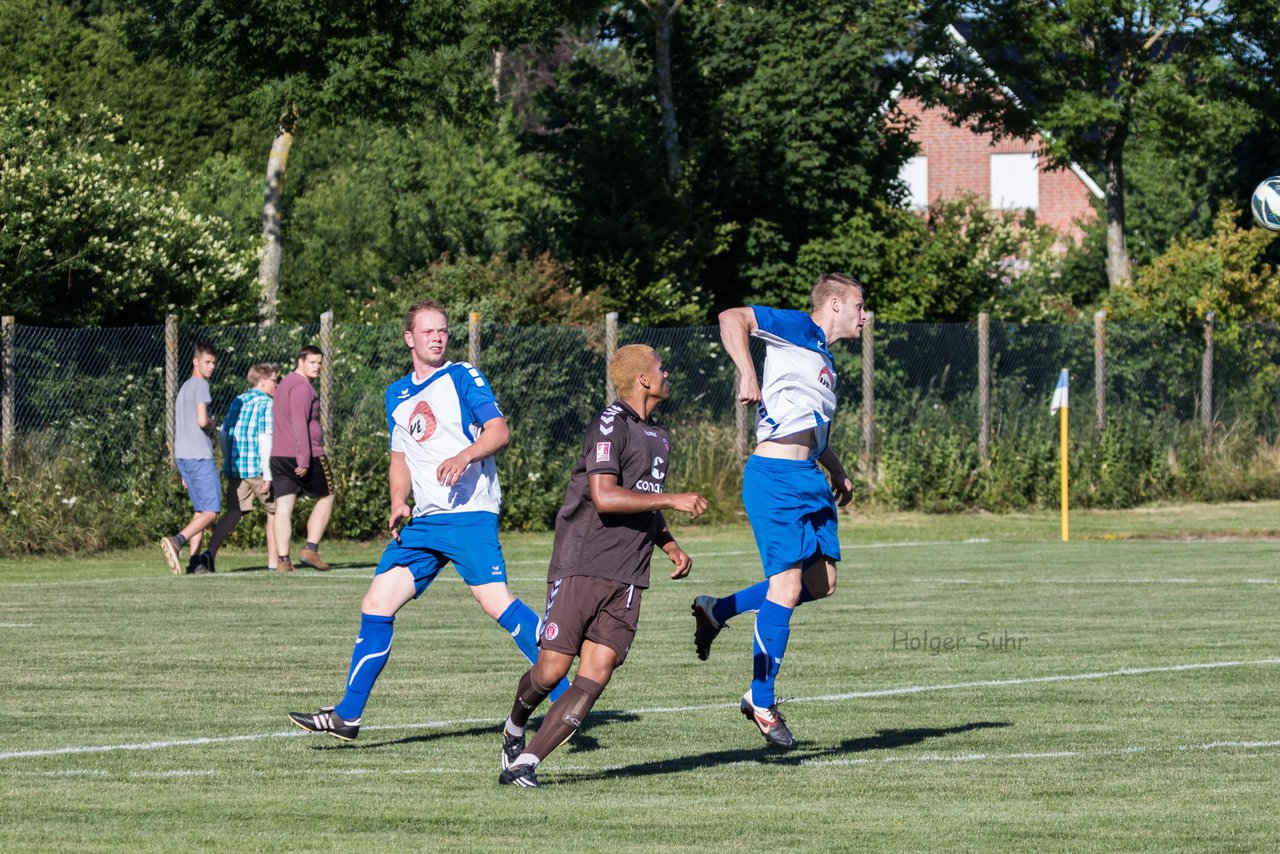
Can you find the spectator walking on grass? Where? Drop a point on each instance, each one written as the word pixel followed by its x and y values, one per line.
pixel 298 462
pixel 193 455
pixel 246 461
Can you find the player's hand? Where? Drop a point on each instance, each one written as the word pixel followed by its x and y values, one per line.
pixel 265 489
pixel 842 490
pixel 689 502
pixel 748 390
pixel 301 471
pixel 399 512
pixel 683 562
pixel 451 469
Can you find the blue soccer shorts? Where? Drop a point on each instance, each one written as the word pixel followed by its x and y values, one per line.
pixel 792 512
pixel 201 478
pixel 427 543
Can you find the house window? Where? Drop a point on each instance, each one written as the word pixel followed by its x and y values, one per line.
pixel 915 174
pixel 1015 181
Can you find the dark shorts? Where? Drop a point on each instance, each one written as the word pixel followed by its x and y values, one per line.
pixel 583 607
pixel 317 482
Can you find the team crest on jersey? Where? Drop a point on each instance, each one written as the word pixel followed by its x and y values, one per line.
pixel 551 631
pixel 422 423
pixel 603 451
pixel 827 378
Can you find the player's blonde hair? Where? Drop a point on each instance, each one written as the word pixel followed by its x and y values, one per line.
pixel 421 306
pixel 833 285
pixel 628 363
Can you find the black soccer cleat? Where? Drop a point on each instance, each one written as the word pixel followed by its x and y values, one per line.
pixel 769 722
pixel 512 747
pixel 327 720
pixel 206 559
pixel 705 627
pixel 519 775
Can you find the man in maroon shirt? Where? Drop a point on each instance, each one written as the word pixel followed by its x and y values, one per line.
pixel 606 530
pixel 298 462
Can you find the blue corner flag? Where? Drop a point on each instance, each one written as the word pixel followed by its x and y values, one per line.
pixel 1059 394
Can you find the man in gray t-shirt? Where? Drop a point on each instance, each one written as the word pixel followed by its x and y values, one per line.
pixel 193 455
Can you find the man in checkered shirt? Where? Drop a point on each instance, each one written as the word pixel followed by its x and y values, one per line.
pixel 246 455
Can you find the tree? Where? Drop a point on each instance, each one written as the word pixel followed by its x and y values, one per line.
pixel 1086 72
pixel 91 233
pixel 783 134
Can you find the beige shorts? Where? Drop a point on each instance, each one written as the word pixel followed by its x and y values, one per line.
pixel 246 491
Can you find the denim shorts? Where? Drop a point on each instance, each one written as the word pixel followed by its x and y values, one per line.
pixel 203 485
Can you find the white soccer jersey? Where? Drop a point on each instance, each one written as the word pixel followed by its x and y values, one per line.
pixel 798 390
pixel 434 420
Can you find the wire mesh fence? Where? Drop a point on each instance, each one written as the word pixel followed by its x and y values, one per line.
pixel 103 393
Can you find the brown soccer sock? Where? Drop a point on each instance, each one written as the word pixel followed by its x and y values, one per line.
pixel 565 716
pixel 529 695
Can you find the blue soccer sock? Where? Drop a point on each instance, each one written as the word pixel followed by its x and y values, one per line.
pixel 368 657
pixel 749 599
pixel 523 624
pixel 773 628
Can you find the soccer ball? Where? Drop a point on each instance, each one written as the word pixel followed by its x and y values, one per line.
pixel 1266 203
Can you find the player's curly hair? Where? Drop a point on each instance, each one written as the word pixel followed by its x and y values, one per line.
pixel 627 364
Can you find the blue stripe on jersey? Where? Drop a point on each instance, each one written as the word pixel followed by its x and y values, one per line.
pixel 793 326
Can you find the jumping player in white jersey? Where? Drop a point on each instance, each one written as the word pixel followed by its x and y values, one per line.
pixel 445 428
pixel 789 502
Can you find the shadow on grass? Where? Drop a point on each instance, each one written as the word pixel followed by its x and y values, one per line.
pixel 300 568
pixel 582 741
pixel 885 739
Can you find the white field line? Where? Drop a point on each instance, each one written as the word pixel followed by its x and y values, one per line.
pixel 364 571
pixel 1256 749
pixel 824 698
pixel 17 625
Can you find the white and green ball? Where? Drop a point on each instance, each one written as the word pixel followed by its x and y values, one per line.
pixel 1266 203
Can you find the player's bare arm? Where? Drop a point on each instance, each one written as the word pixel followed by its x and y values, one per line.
pixel 736 326
pixel 494 436
pixel 671 548
pixel 840 481
pixel 609 497
pixel 401 483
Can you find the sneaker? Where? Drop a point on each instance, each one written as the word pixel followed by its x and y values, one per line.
pixel 705 627
pixel 284 566
pixel 769 722
pixel 519 775
pixel 312 559
pixel 170 549
pixel 327 720
pixel 194 566
pixel 206 560
pixel 512 747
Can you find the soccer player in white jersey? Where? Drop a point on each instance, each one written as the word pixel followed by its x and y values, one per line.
pixel 789 502
pixel 445 428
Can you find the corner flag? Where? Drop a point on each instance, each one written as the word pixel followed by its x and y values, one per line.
pixel 1059 394
pixel 1059 405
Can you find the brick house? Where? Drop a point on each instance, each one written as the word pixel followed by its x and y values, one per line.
pixel 954 159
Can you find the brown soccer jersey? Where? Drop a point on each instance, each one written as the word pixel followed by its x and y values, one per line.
pixel 618 545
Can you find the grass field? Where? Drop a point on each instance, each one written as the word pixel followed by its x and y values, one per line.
pixel 1125 698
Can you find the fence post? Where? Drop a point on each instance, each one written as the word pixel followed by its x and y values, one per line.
pixel 1206 379
pixel 1099 373
pixel 984 386
pixel 868 397
pixel 473 338
pixel 326 381
pixel 7 408
pixel 610 344
pixel 170 377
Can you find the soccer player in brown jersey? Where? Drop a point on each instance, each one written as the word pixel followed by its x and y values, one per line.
pixel 606 530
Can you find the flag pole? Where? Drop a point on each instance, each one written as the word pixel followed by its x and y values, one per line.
pixel 1059 405
pixel 1062 432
